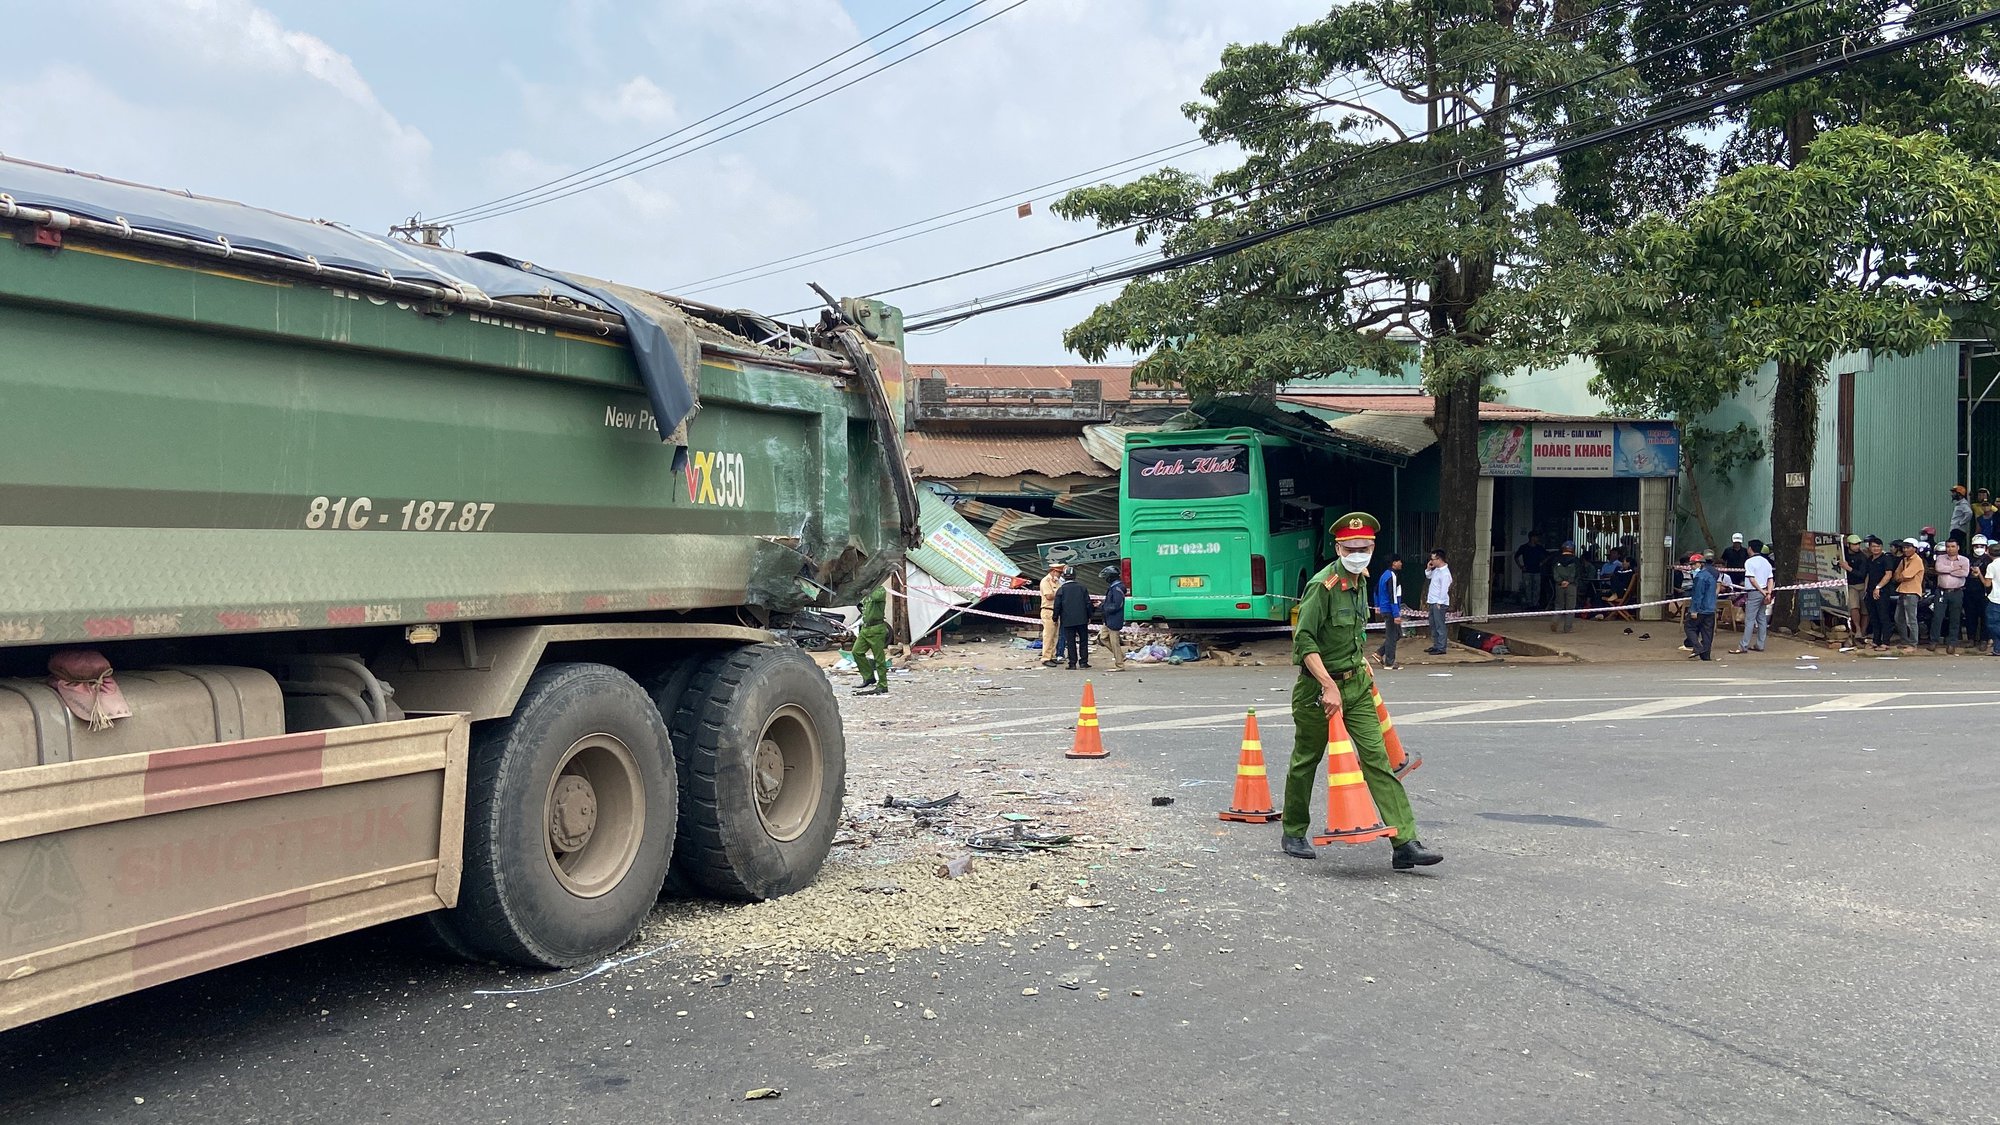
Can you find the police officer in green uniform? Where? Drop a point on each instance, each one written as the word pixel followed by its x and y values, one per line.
pixel 1330 648
pixel 871 643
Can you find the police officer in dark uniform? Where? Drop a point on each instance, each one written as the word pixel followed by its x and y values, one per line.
pixel 1329 645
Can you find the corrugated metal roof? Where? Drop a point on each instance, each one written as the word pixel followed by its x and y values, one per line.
pixel 1407 434
pixel 950 456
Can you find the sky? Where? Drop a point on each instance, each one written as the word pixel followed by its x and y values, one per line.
pixel 370 112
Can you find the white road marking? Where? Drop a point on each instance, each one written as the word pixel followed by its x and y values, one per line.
pixel 1463 709
pixel 1001 724
pixel 1652 707
pixel 1853 702
pixel 1276 717
pixel 1190 722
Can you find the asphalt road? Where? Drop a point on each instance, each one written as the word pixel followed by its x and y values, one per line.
pixel 1735 893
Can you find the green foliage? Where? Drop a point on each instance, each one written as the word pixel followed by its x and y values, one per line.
pixel 1862 245
pixel 1458 275
pixel 1719 453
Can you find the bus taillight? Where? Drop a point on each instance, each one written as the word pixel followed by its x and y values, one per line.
pixel 1257 582
pixel 1125 573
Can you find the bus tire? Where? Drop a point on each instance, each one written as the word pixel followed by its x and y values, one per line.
pixel 763 767
pixel 569 822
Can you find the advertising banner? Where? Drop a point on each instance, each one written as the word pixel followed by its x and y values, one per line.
pixel 1819 561
pixel 1579 449
pixel 1076 552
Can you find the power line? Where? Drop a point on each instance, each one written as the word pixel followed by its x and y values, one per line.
pixel 792 262
pixel 1414 174
pixel 447 216
pixel 1328 165
pixel 631 168
pixel 1012 199
pixel 1683 112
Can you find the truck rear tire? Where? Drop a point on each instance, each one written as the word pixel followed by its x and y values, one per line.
pixel 763 767
pixel 569 822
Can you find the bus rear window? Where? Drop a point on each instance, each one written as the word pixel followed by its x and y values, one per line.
pixel 1194 472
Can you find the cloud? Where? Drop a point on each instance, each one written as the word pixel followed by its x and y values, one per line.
pixel 353 112
pixel 219 97
pixel 636 102
pixel 239 38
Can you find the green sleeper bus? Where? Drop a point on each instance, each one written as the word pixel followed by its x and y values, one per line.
pixel 1216 526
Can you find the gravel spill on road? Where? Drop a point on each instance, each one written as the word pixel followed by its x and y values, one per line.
pixel 856 907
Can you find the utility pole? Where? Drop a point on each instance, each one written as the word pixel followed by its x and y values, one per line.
pixel 418 231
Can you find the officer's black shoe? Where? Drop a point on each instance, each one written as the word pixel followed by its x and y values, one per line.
pixel 1413 853
pixel 1297 848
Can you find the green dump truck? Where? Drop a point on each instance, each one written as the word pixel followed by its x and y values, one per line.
pixel 345 580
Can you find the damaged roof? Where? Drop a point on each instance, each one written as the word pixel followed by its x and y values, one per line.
pixel 950 456
pixel 1407 434
pixel 1116 381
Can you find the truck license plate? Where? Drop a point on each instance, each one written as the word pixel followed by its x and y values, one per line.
pixel 1190 583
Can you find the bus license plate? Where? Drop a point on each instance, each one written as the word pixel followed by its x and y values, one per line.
pixel 1194 583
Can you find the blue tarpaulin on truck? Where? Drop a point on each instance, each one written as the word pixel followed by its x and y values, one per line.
pixel 309 242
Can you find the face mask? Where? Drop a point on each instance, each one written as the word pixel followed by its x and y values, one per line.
pixel 1357 564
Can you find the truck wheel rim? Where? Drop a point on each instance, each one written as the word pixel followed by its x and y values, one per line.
pixel 786 773
pixel 594 816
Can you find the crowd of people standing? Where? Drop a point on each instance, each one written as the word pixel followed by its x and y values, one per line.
pixel 1920 591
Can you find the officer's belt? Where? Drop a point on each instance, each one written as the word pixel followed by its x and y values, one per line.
pixel 1339 677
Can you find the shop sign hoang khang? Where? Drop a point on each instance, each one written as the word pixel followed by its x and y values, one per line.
pixel 1579 448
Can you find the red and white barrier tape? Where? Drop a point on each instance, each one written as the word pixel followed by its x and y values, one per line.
pixel 1421 616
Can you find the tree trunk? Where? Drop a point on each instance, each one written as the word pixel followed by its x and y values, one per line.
pixel 1700 510
pixel 1794 428
pixel 1456 419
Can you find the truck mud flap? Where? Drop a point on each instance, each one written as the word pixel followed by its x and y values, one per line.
pixel 120 873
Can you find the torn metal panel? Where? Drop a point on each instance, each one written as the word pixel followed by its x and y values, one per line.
pixel 953 550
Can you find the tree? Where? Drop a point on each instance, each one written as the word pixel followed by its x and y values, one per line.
pixel 1451 277
pixel 1937 89
pixel 1864 243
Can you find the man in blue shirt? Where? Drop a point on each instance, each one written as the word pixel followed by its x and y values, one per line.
pixel 1701 605
pixel 1113 610
pixel 1389 603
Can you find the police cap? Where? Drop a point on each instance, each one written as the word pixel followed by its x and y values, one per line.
pixel 1355 525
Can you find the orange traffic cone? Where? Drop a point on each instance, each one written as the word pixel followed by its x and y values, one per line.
pixel 1351 816
pixel 1253 788
pixel 1088 744
pixel 1401 761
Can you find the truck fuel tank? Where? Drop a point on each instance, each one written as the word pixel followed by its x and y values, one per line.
pixel 180 705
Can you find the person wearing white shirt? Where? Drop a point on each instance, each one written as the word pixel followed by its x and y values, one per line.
pixel 1437 599
pixel 1759 577
pixel 1992 581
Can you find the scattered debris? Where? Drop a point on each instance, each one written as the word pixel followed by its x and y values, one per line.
pixel 829 916
pixel 894 802
pixel 956 868
pixel 763 1092
pixel 1031 991
pixel 1162 802
pixel 722 981
pixel 1081 903
pixel 882 888
pixel 1016 840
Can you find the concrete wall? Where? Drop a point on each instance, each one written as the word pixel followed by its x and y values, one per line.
pixel 1564 389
